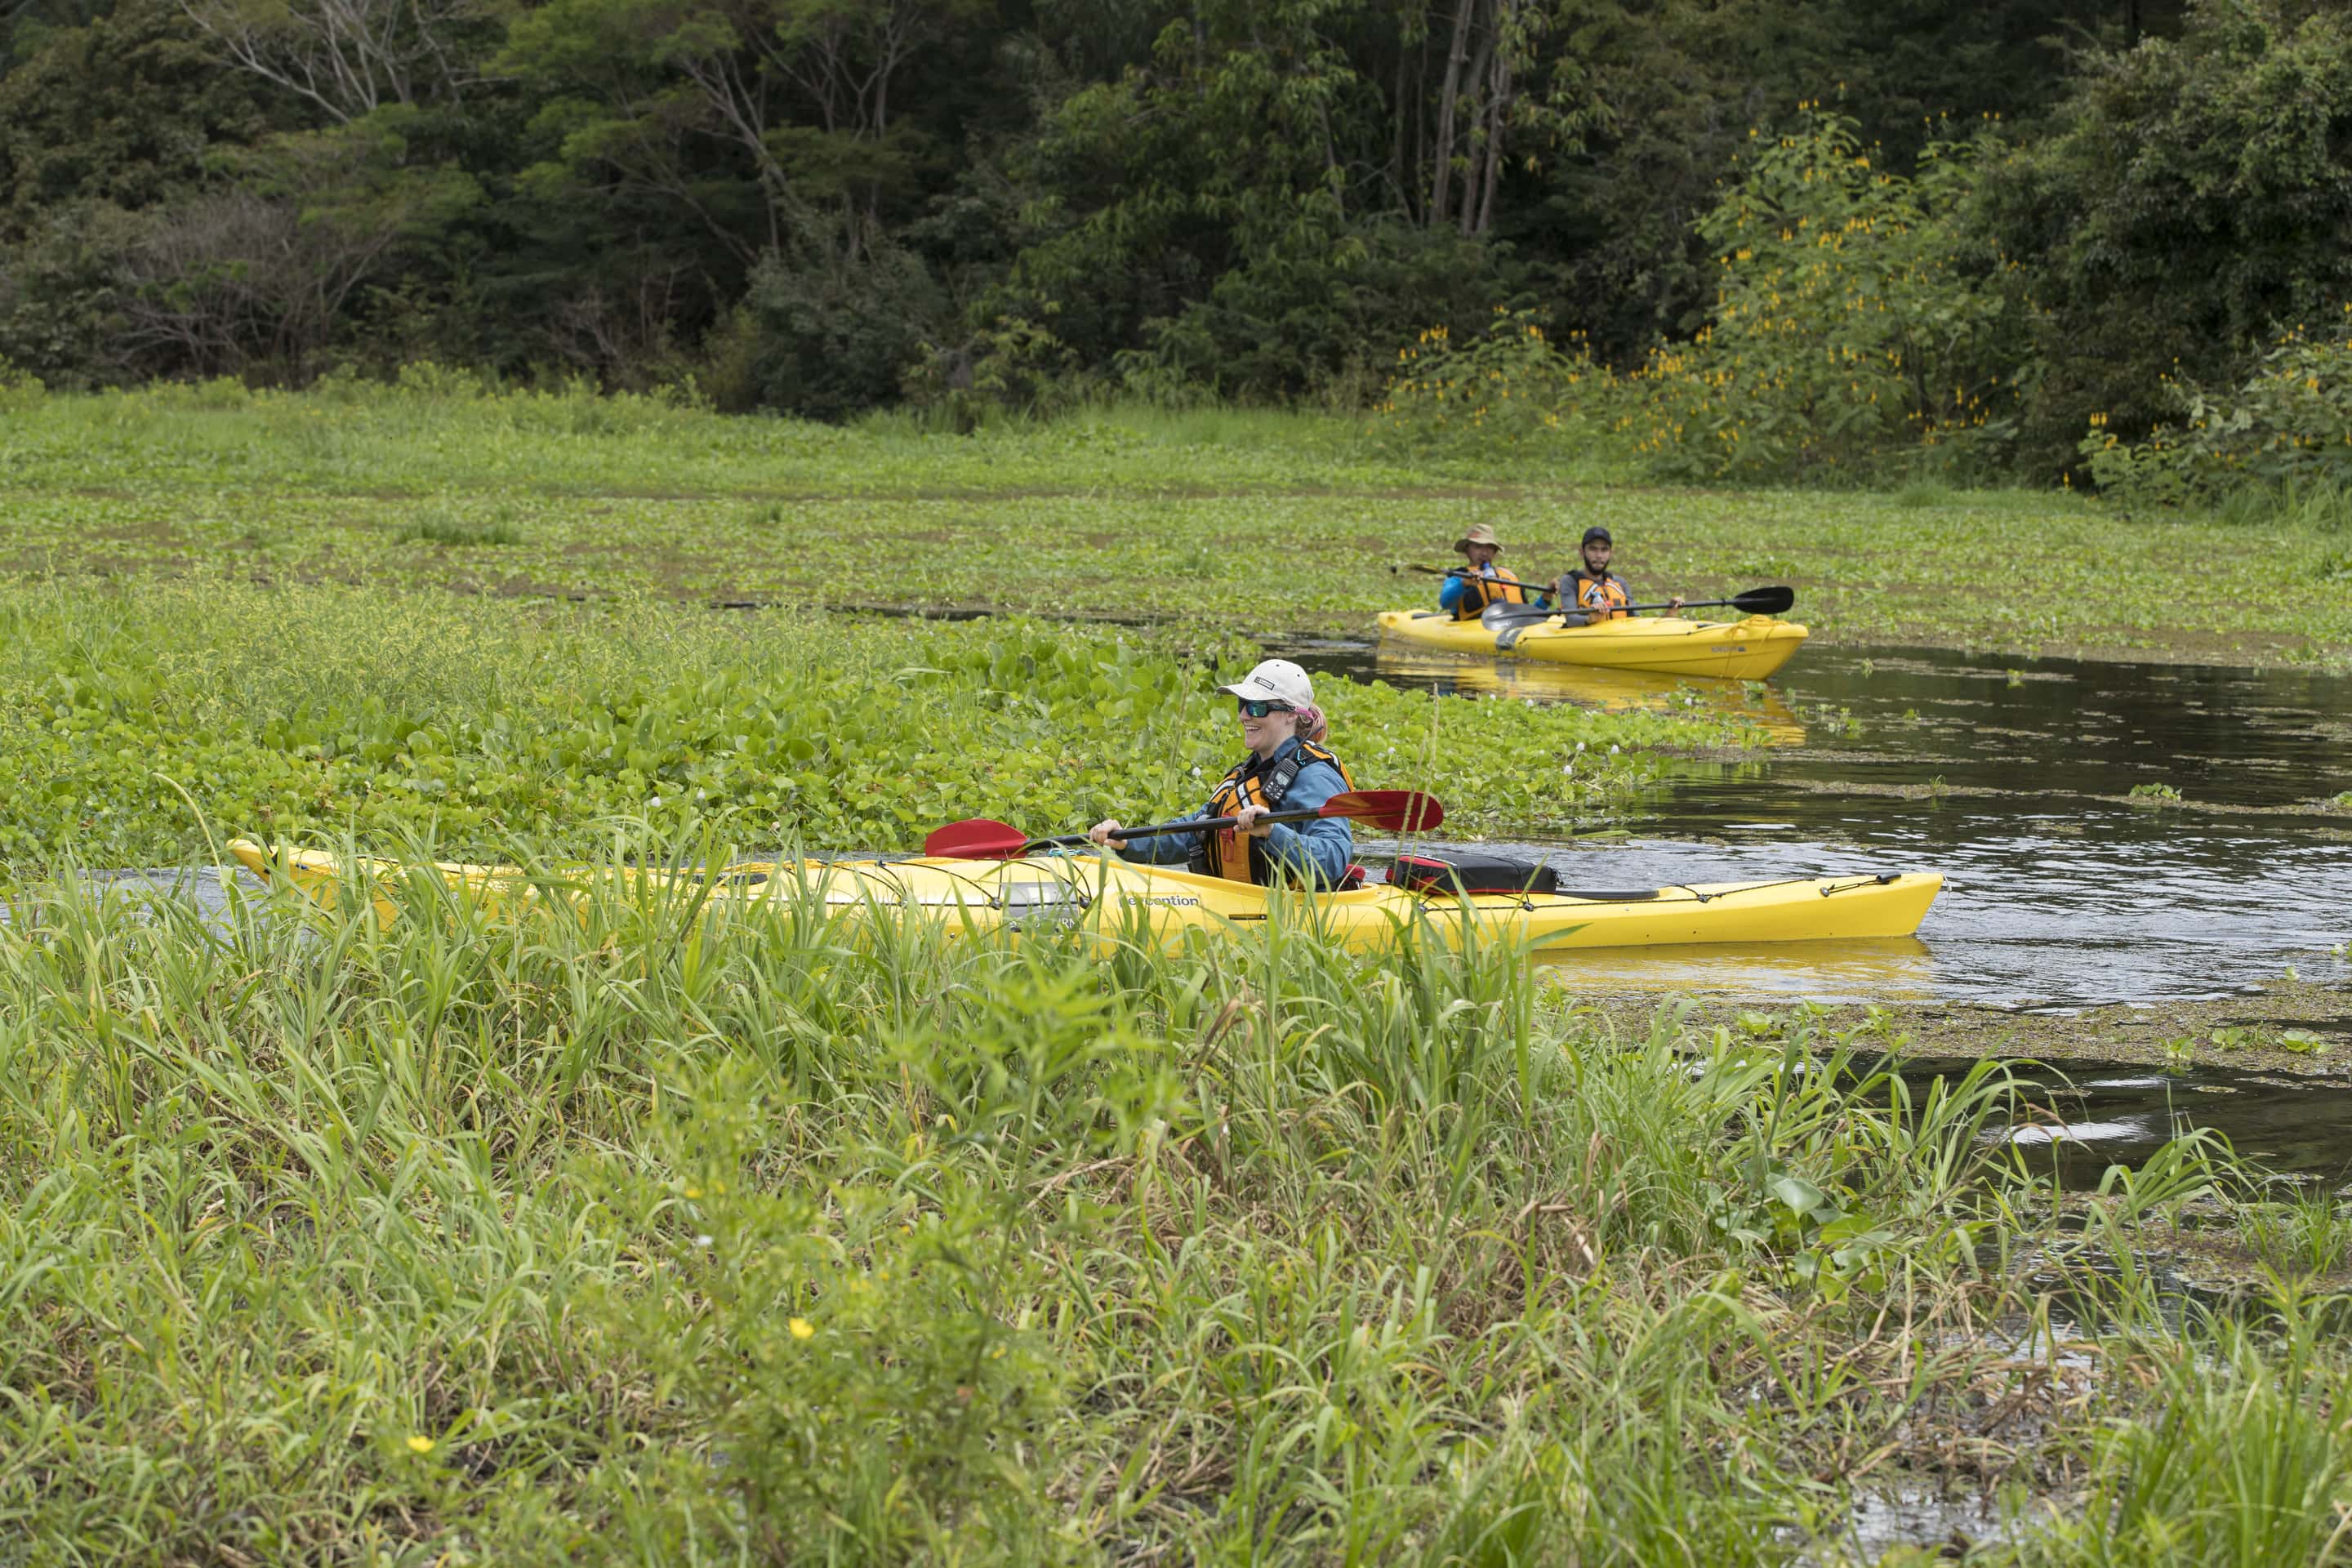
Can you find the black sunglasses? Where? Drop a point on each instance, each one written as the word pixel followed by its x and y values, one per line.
pixel 1260 709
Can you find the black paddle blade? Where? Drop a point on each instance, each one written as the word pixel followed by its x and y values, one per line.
pixel 1764 601
pixel 1493 618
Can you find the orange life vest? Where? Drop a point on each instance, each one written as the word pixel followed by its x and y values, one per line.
pixel 1236 857
pixel 1599 598
pixel 1477 593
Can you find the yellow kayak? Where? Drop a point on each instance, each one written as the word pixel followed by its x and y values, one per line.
pixel 1658 644
pixel 1115 900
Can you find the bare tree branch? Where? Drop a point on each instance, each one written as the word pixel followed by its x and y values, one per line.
pixel 348 57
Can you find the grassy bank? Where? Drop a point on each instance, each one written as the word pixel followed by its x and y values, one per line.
pixel 1244 521
pixel 139 715
pixel 650 1231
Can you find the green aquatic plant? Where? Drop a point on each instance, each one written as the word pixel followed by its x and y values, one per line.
pixel 2156 794
pixel 2307 1235
pixel 2294 1042
pixel 140 717
pixel 439 528
pixel 1106 512
pixel 2235 1453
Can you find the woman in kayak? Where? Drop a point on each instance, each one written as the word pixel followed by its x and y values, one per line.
pixel 1486 583
pixel 1594 589
pixel 1287 769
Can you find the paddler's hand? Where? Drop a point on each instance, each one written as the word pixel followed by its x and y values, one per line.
pixel 1102 832
pixel 1252 820
pixel 1675 607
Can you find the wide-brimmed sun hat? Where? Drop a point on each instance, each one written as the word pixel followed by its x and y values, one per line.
pixel 1481 534
pixel 1275 680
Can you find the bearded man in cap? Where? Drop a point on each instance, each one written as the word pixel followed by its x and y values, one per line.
pixel 1599 594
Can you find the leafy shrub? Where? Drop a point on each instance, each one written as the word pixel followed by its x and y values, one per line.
pixel 2282 439
pixel 2188 199
pixel 1012 366
pixel 1300 318
pixel 1856 326
pixel 60 295
pixel 20 391
pixel 1506 388
pixel 439 528
pixel 834 326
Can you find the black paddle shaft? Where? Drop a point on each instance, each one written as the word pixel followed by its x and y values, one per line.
pixel 1191 825
pixel 1755 602
pixel 1542 589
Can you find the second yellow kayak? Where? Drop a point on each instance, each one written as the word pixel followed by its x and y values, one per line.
pixel 1658 644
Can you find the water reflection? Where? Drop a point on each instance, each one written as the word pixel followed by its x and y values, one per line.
pixel 1901 969
pixel 1611 691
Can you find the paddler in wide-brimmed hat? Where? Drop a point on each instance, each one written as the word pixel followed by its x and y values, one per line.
pixel 1482 583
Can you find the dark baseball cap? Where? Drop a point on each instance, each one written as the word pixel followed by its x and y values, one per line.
pixel 1597 533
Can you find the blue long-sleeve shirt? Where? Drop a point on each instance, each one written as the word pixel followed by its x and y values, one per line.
pixel 1321 849
pixel 1449 598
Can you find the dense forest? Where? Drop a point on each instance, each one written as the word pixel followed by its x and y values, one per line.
pixel 2079 215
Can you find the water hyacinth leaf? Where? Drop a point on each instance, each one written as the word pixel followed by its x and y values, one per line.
pixel 1801 1197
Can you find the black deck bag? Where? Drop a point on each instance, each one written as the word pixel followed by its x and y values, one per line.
pixel 1467 871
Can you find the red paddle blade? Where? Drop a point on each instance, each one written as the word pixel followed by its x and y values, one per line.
pixel 974 838
pixel 1395 810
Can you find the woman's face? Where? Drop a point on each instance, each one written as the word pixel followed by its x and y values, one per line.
pixel 1265 733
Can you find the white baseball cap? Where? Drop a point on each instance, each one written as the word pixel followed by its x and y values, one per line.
pixel 1275 680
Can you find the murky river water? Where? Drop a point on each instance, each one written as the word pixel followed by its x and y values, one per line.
pixel 2014 777
pixel 2092 1115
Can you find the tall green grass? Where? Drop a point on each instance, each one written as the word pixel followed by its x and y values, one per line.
pixel 651 1225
